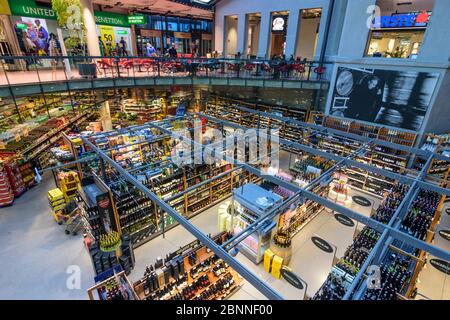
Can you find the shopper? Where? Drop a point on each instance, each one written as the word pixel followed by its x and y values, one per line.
pixel 53 52
pixel 150 50
pixel 173 52
pixel 102 46
pixel 123 47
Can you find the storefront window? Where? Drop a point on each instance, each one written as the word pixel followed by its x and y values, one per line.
pixel 185 25
pixel 395 44
pixel 278 31
pixel 156 22
pixel 172 24
pixel 397 33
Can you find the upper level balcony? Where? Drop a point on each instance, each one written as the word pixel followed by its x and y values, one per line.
pixel 26 75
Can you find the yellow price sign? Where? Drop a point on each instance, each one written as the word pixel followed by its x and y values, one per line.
pixel 107 34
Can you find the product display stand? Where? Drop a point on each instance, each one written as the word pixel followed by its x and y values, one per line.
pixel 6 194
pixel 250 202
pixel 117 287
pixel 191 273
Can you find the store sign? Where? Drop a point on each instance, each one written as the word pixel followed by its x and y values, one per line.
pixel 279 23
pixel 346 221
pixel 403 20
pixel 291 278
pixel 441 265
pixel 322 244
pixel 111 19
pixel 28 8
pixel 122 32
pixel 362 201
pixel 445 234
pixel 136 19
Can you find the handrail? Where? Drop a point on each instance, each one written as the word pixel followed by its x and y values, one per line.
pixel 29 69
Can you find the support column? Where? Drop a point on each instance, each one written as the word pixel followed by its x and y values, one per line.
pixel 291 36
pixel 264 33
pixel 241 34
pixel 91 30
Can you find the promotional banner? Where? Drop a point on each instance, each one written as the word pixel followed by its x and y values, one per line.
pixel 106 212
pixel 111 36
pixel 389 97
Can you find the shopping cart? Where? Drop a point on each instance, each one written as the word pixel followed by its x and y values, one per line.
pixel 73 223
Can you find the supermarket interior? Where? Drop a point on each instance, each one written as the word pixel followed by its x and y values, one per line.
pixel 225 170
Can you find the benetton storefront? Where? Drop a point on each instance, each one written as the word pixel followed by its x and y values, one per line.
pixel 34 24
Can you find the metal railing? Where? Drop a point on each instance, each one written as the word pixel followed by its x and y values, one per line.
pixel 17 70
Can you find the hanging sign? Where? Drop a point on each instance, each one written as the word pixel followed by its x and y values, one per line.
pixel 136 19
pixel 346 221
pixel 322 244
pixel 291 278
pixel 441 265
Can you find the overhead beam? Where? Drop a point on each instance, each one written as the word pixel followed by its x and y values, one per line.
pixel 208 242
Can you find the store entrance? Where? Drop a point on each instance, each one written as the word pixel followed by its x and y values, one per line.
pixel 278 44
pixel 148 36
pixel 278 34
pixel 253 31
pixel 308 33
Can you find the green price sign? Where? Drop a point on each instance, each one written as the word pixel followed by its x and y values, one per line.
pixel 136 19
pixel 22 26
pixel 122 32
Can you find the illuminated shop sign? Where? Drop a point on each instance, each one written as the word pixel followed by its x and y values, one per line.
pixel 402 20
pixel 279 23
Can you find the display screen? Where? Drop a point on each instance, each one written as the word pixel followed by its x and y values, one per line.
pixel 388 97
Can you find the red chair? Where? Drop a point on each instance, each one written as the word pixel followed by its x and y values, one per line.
pixel 285 69
pixel 148 64
pixel 319 71
pixel 126 64
pixel 299 69
pixel 266 68
pixel 232 66
pixel 105 64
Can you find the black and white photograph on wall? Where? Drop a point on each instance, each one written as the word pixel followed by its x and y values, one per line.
pixel 388 97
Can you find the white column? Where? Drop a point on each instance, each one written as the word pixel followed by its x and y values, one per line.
pixel 91 31
pixel 291 36
pixel 264 34
pixel 241 33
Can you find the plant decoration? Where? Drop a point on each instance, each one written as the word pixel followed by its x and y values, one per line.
pixel 398 53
